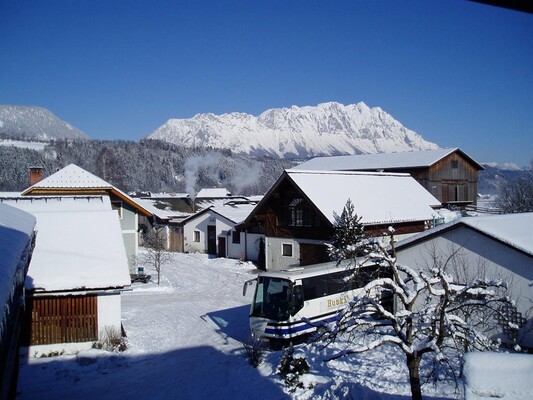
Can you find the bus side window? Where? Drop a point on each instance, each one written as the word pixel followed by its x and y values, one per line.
pixel 297 299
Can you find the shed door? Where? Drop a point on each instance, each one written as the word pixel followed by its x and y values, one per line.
pixel 211 239
pixel 176 239
pixel 445 193
pixel 62 319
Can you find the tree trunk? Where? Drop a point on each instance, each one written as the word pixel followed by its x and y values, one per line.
pixel 413 364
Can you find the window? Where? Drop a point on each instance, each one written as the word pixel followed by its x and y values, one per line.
pixel 117 205
pixel 196 236
pixel 296 213
pixel 286 250
pixel 455 164
pixel 299 213
pixel 272 298
pixel 338 282
pixel 236 237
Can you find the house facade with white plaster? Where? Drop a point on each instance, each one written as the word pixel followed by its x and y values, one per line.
pixel 496 247
pixel 213 231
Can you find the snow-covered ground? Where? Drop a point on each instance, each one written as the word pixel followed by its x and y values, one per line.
pixel 185 342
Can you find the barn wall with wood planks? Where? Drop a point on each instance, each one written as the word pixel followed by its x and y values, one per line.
pixel 453 180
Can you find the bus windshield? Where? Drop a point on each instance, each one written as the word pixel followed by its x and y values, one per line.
pixel 272 298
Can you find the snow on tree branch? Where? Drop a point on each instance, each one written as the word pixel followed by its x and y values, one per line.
pixel 431 312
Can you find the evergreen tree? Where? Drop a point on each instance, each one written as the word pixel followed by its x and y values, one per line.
pixel 348 240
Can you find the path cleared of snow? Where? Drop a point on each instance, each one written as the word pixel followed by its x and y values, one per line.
pixel 185 342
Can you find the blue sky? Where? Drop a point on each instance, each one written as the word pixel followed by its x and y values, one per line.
pixel 457 72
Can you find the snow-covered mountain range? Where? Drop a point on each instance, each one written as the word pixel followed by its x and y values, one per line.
pixel 36 123
pixel 297 132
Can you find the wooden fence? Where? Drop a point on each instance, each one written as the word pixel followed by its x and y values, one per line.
pixel 62 319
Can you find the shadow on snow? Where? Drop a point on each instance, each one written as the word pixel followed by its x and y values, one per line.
pixel 193 373
pixel 231 322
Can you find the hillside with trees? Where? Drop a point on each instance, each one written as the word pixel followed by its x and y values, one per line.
pixel 148 165
pixel 157 166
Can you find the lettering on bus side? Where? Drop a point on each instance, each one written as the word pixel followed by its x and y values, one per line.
pixel 339 301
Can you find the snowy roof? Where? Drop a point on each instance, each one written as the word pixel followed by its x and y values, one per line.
pixel 71 177
pixel 377 197
pixel 407 159
pixel 161 208
pixel 234 212
pixel 16 230
pixel 9 194
pixel 512 229
pixel 213 193
pixel 75 179
pixel 79 244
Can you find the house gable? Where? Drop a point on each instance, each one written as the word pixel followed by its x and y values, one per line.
pixel 511 230
pixel 305 202
pixel 73 180
pixel 286 211
pixel 298 213
pixel 489 247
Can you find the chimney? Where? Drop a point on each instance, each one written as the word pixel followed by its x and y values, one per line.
pixel 36 174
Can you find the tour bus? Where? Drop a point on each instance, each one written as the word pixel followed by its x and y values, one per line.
pixel 284 299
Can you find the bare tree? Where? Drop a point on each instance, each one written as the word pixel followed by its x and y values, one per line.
pixel 156 254
pixel 517 195
pixel 466 269
pixel 428 316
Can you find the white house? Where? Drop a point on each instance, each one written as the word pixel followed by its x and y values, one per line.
pixel 496 247
pixel 212 231
pixel 77 272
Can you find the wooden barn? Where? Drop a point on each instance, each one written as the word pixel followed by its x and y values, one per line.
pixel 450 175
pixel 76 275
pixel 297 214
pixel 17 238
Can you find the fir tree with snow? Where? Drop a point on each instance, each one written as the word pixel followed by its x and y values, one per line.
pixel 348 239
